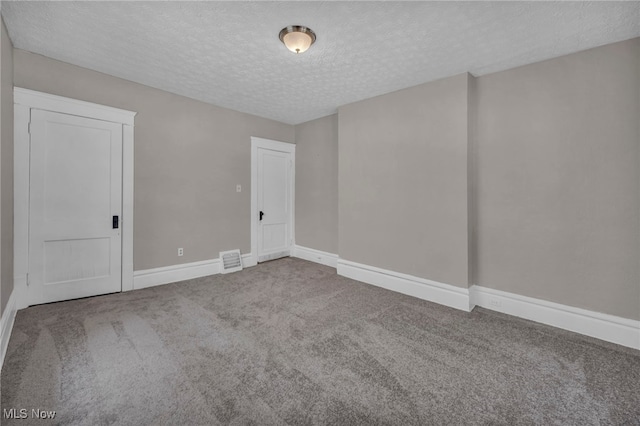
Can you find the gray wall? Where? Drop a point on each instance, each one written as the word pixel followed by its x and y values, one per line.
pixel 403 181
pixel 6 167
pixel 317 184
pixel 558 180
pixel 526 181
pixel 189 156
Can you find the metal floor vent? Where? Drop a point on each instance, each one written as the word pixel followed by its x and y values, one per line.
pixel 230 261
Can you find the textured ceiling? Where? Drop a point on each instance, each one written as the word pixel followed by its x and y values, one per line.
pixel 228 53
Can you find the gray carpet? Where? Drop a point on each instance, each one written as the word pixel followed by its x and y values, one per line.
pixel 290 342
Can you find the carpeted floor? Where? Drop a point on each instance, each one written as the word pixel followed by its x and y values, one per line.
pixel 290 342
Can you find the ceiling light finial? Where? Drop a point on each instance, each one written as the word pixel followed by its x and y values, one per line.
pixel 297 38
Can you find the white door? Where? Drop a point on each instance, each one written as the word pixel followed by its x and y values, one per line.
pixel 275 204
pixel 75 196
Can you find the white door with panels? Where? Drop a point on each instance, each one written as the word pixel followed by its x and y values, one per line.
pixel 275 173
pixel 75 207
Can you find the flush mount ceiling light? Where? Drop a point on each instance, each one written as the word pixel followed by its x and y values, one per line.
pixel 297 38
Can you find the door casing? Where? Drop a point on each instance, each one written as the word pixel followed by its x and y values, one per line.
pixel 24 101
pixel 257 143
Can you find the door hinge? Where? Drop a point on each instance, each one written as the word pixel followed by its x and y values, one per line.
pixel 28 282
pixel 29 128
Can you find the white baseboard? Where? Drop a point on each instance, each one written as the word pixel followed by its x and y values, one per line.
pixel 606 327
pixel 317 256
pixel 6 325
pixel 20 291
pixel 248 260
pixel 433 291
pixel 186 271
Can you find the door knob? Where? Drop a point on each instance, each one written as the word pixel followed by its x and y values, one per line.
pixel 115 222
pixel 261 214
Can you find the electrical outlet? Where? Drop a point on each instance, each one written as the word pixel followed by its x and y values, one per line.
pixel 180 251
pixel 238 188
pixel 495 303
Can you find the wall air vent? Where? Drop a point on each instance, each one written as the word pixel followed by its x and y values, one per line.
pixel 230 261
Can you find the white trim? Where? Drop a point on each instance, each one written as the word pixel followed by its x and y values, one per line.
pixel 46 101
pixel 275 146
pixel 610 328
pixel 605 327
pixel 6 325
pixel 127 208
pixel 186 271
pixel 433 291
pixel 20 292
pixel 24 101
pixel 317 256
pixel 248 261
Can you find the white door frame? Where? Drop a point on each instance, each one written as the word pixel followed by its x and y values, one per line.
pixel 276 146
pixel 24 101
